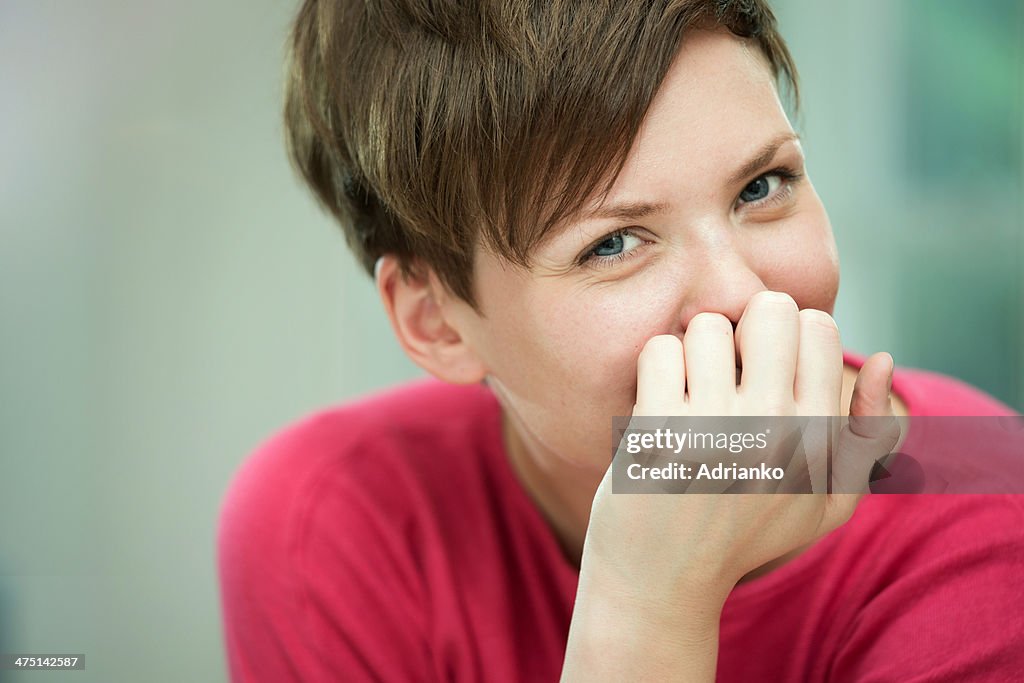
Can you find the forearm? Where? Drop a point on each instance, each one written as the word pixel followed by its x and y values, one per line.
pixel 623 634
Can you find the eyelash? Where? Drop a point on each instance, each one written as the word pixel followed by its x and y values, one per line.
pixel 789 178
pixel 590 260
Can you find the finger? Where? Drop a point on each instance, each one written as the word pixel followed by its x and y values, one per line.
pixel 855 455
pixel 871 390
pixel 661 377
pixel 819 366
pixel 870 432
pixel 710 369
pixel 768 347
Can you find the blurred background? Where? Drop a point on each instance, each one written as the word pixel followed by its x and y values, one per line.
pixel 171 295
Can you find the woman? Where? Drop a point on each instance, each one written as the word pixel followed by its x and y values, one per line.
pixel 574 212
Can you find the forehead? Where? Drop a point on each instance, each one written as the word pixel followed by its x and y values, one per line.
pixel 717 105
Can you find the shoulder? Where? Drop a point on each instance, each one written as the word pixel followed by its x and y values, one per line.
pixel 932 570
pixel 322 537
pixel 931 567
pixel 956 442
pixel 933 393
pixel 380 443
pixel 927 392
pixel 372 468
pixel 939 524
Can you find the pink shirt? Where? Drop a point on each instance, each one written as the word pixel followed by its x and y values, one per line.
pixel 390 540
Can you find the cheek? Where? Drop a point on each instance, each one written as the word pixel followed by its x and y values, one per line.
pixel 592 341
pixel 805 264
pixel 567 369
pixel 613 328
pixel 566 360
pixel 570 365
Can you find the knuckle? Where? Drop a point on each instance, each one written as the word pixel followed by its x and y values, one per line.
pixel 818 322
pixel 769 405
pixel 659 347
pixel 664 342
pixel 707 320
pixel 775 408
pixel 775 299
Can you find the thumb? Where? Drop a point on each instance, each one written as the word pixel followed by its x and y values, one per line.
pixel 872 417
pixel 870 433
pixel 871 390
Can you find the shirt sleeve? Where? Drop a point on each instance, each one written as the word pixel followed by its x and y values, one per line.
pixel 956 616
pixel 317 585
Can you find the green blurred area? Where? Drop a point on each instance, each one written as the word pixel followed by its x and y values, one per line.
pixel 171 295
pixel 964 64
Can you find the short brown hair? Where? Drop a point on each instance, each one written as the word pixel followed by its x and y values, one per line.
pixel 425 125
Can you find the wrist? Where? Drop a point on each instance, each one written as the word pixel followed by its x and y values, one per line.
pixel 689 607
pixel 655 589
pixel 624 631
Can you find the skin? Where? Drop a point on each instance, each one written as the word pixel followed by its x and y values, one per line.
pixel 563 344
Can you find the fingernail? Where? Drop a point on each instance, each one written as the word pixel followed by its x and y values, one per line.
pixel 892 366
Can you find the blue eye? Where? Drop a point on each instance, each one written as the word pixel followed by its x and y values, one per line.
pixel 767 188
pixel 760 188
pixel 612 249
pixel 611 246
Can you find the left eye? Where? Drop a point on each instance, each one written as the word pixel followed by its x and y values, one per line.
pixel 612 249
pixel 614 245
pixel 761 187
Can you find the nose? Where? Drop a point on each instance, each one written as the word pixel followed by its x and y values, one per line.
pixel 725 284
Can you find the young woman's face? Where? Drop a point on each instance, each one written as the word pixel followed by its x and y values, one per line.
pixel 713 205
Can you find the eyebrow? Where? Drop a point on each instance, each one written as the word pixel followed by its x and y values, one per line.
pixel 628 211
pixel 763 156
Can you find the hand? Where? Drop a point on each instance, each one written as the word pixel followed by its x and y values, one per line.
pixel 791 360
pixel 662 565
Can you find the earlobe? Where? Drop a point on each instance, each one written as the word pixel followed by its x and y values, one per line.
pixel 422 315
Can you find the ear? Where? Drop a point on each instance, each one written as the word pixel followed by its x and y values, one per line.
pixel 421 312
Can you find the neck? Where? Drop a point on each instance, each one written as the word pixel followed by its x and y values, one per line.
pixel 563 492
